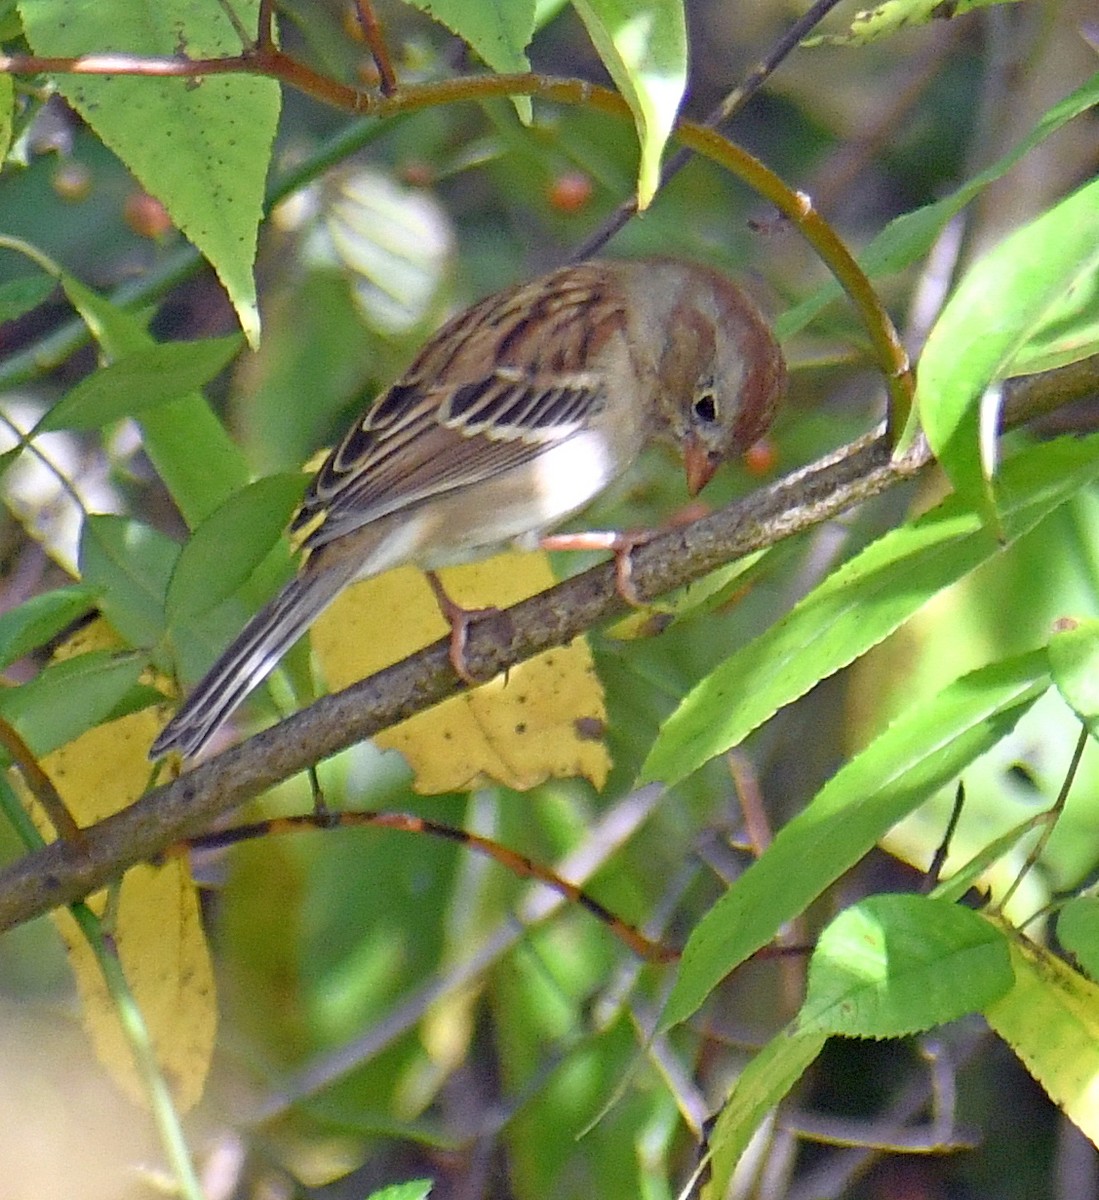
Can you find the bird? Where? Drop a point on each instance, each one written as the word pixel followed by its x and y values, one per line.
pixel 511 418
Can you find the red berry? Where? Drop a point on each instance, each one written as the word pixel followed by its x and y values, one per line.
pixel 146 216
pixel 570 192
pixel 761 458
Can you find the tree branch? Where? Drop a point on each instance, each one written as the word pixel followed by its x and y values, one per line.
pixel 64 871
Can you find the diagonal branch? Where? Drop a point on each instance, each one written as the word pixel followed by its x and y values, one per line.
pixel 64 872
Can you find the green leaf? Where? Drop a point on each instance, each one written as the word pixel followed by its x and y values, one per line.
pixel 1078 931
pixel 924 748
pixel 1074 662
pixel 499 31
pixel 415 1189
pixel 116 331
pixel 909 237
pixel 226 548
pixel 19 296
pixel 643 45
pixel 894 965
pixel 859 605
pixel 10 25
pixel 68 698
pixel 7 115
pixel 128 565
pixel 895 15
pixel 162 372
pixel 1067 333
pixel 39 619
pixel 762 1084
pixel 924 940
pixel 1001 301
pixel 201 145
pixel 186 443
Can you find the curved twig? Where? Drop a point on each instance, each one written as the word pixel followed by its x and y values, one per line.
pixel 270 61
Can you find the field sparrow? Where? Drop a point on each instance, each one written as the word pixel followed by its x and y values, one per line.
pixel 511 418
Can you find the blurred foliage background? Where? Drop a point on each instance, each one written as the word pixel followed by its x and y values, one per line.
pixel 357 1046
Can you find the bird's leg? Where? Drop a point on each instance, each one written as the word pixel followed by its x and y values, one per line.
pixel 459 619
pixel 621 545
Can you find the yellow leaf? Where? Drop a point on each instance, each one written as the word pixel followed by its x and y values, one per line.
pixel 544 720
pixel 1050 1018
pixel 155 921
pixel 95 635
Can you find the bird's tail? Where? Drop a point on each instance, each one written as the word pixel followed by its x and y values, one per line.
pixel 250 658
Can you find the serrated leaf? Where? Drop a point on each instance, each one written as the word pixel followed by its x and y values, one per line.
pixel 1003 299
pixel 19 296
pixel 762 1084
pixel 227 547
pixel 37 620
pixel 1078 932
pixel 200 145
pixel 128 386
pixel 909 237
pixel 924 748
pixel 498 30
pixel 895 15
pixel 894 965
pixel 1050 1018
pixel 858 605
pixel 1074 663
pixel 643 45
pixel 128 565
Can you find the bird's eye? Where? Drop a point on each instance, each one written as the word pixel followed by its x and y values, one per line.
pixel 705 407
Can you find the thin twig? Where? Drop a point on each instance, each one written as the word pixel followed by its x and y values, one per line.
pixel 379 51
pixel 724 112
pixel 891 355
pixel 265 25
pixel 1051 818
pixel 234 20
pixel 612 829
pixel 40 785
pixel 519 864
pixel 931 881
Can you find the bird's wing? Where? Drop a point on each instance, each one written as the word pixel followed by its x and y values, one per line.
pixel 450 423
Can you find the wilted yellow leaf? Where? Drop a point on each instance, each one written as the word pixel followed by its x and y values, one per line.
pixel 545 720
pixel 1050 1018
pixel 154 921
